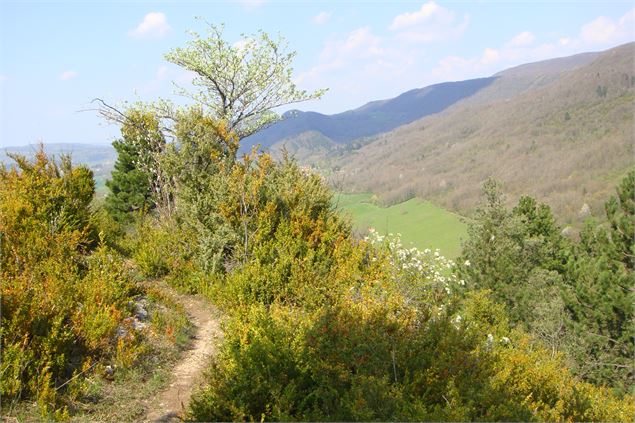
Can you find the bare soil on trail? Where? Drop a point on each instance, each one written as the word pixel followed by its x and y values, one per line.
pixel 186 376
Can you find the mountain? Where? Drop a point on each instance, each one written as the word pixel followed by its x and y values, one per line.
pixel 559 130
pixel 372 118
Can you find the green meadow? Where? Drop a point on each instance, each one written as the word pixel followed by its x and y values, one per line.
pixel 420 223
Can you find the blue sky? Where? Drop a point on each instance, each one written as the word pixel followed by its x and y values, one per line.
pixel 57 56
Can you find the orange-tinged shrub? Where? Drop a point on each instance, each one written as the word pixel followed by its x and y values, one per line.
pixel 60 305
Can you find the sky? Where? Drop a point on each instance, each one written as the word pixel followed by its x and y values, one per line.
pixel 57 56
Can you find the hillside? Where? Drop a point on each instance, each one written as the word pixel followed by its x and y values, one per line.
pixel 370 119
pixel 565 138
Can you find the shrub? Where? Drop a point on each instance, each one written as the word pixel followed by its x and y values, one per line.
pixel 60 305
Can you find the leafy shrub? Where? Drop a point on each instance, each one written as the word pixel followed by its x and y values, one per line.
pixel 60 306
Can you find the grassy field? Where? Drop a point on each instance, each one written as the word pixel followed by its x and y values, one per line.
pixel 419 222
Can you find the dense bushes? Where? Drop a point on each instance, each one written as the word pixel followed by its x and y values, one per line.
pixel 323 327
pixel 60 306
pixel 363 350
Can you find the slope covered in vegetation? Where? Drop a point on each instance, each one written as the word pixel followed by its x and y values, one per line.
pixel 567 140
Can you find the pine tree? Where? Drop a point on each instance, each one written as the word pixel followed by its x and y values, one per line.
pixel 620 212
pixel 129 186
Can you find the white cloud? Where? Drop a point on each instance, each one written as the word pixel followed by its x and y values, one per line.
pixel 69 74
pixel 321 18
pixel 603 30
pixel 158 81
pixel 489 56
pixel 564 41
pixel 359 43
pixel 525 38
pixel 427 12
pixel 600 30
pixel 153 25
pixel 430 23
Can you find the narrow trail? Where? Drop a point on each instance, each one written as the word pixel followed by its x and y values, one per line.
pixel 170 404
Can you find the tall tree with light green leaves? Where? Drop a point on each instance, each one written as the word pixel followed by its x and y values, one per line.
pixel 240 83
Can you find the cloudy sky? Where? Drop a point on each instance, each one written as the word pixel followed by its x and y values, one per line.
pixel 57 56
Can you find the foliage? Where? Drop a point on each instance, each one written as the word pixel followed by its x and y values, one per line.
pixel 575 297
pixel 323 328
pixel 365 351
pixel 620 211
pixel 60 306
pixel 136 180
pixel 240 83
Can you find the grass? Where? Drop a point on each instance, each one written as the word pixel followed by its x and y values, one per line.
pixel 419 222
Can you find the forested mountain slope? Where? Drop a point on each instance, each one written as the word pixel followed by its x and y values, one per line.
pixel 565 138
pixel 370 119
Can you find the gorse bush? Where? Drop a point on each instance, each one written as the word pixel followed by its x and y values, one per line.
pixel 366 351
pixel 60 305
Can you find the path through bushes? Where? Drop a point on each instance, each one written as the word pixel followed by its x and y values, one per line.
pixel 171 403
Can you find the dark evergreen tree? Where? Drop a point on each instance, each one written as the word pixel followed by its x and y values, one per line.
pixel 130 185
pixel 575 297
pixel 599 292
pixel 138 182
pixel 620 211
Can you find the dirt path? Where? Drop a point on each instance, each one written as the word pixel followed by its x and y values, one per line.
pixel 170 403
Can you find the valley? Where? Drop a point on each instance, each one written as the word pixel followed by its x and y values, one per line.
pixel 420 224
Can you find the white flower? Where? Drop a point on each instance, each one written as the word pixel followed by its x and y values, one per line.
pixel 467 263
pixel 505 340
pixel 457 321
pixel 490 341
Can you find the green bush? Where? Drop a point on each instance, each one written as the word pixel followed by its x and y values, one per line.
pixel 62 300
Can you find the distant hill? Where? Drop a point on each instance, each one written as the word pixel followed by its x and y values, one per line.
pixel 371 119
pixel 560 130
pixel 88 154
pixel 100 158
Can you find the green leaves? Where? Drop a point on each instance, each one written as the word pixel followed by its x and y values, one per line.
pixel 240 83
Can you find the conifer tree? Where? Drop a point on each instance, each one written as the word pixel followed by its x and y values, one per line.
pixel 129 186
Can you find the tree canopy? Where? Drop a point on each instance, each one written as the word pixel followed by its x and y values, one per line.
pixel 240 83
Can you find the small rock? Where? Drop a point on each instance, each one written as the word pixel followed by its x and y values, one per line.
pixel 140 311
pixel 109 372
pixel 585 210
pixel 121 332
pixel 137 324
pixel 567 232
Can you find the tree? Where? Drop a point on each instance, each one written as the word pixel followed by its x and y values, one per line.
pixel 129 186
pixel 620 212
pixel 575 297
pixel 138 180
pixel 243 82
